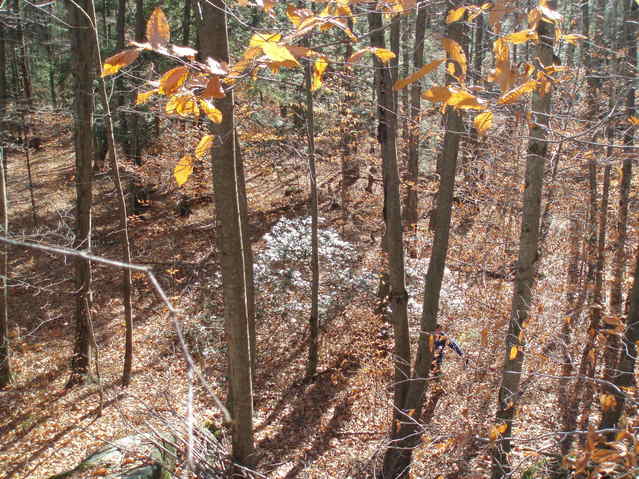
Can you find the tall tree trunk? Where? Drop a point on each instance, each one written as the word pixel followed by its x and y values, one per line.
pixel 24 59
pixel 387 137
pixel 478 58
pixel 4 94
pixel 410 213
pixel 120 26
pixel 313 341
pixel 406 432
pixel 186 22
pixel 619 362
pixel 625 379
pixel 6 375
pixel 628 69
pixel 350 123
pixel 127 286
pixel 214 43
pixel 526 266
pixel 248 255
pixel 81 20
pixel 597 306
pixel 571 316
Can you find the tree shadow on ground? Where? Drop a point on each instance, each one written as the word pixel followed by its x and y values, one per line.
pixel 18 466
pixel 45 405
pixel 307 406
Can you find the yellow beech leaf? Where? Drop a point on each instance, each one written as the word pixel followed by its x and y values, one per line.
pixel 437 94
pixel 158 32
pixel 213 89
pixel 209 110
pixel 383 54
pixel 633 120
pixel 455 15
pixel 183 170
pixel 456 52
pixel 514 351
pixel 483 122
pixel 496 431
pixel 259 39
pixel 279 53
pixel 425 70
pixel 318 70
pixel 188 107
pixel 514 94
pixel 144 96
pixel 463 100
pixel 522 36
pixel 175 101
pixel 204 145
pixel 172 80
pixel 120 60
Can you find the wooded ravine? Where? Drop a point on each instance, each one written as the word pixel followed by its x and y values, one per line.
pixel 323 239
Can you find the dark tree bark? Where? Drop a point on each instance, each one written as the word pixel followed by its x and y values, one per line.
pixel 81 19
pixel 4 94
pixel 393 236
pixel 526 266
pixel 628 69
pixel 214 43
pixel 407 436
pixel 410 213
pixel 186 22
pixel 23 59
pixel 120 26
pixel 626 366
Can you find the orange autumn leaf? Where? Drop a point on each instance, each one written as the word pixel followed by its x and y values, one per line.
pixel 113 64
pixel 423 71
pixel 172 80
pixel 158 32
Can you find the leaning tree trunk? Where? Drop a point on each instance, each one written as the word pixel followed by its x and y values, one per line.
pixel 81 21
pixel 407 436
pixel 393 237
pixel 410 212
pixel 528 244
pixel 230 239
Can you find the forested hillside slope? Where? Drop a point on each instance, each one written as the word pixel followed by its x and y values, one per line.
pixel 330 239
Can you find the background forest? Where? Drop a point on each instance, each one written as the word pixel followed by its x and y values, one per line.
pixel 230 229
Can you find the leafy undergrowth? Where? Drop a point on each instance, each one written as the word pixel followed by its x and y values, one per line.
pixel 333 426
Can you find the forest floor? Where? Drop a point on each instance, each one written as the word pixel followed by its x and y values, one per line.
pixel 334 426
